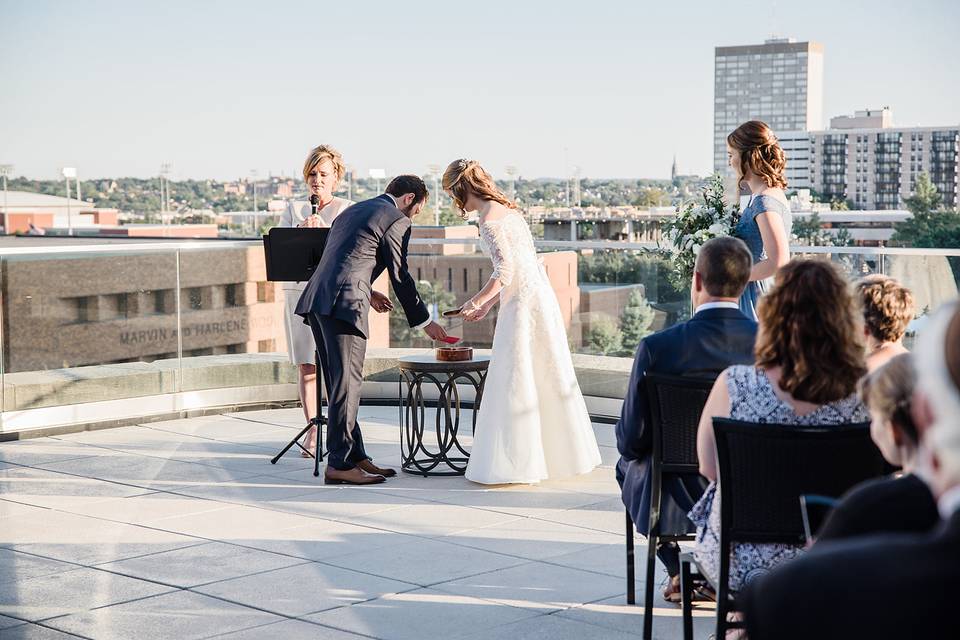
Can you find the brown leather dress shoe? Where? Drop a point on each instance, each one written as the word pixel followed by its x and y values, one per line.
pixel 351 476
pixel 369 467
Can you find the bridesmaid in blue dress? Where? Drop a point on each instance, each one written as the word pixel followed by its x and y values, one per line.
pixel 765 224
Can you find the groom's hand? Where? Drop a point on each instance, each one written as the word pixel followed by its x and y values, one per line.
pixel 380 302
pixel 435 331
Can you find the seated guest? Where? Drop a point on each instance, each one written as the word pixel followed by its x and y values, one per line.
pixel 887 310
pixel 717 336
pixel 902 503
pixel 893 585
pixel 809 357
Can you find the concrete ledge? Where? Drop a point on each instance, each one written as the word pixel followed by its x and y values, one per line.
pixel 60 387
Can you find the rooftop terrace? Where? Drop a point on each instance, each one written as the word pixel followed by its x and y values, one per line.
pixel 183 529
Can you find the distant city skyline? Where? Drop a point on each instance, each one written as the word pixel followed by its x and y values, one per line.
pixel 616 88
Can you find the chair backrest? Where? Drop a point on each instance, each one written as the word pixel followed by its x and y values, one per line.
pixel 675 407
pixel 765 468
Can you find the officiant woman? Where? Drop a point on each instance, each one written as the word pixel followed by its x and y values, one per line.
pixel 322 171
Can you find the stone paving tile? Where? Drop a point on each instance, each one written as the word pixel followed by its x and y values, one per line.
pixel 551 627
pixel 53 489
pixel 607 515
pixel 608 559
pixel 342 503
pixel 289 630
pixel 424 561
pixel 201 564
pixel 35 632
pixel 181 614
pixel 10 509
pixel 537 585
pixel 232 523
pixel 303 589
pixel 533 539
pixel 433 519
pixel 521 500
pixel 423 613
pixel 143 509
pixel 324 539
pixel 7 622
pixel 38 451
pixel 87 541
pixel 614 613
pixel 142 471
pixel 16 566
pixel 69 592
pixel 263 490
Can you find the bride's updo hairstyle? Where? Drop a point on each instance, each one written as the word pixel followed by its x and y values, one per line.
pixel 760 153
pixel 464 177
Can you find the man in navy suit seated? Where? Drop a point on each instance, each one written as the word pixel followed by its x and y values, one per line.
pixel 716 337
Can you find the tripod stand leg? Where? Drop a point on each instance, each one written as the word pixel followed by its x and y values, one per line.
pixel 291 443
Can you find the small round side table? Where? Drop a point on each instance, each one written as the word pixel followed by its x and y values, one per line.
pixel 415 371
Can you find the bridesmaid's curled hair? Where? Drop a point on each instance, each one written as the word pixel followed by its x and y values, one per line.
pixel 760 153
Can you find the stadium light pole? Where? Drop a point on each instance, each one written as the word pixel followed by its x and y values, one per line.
pixel 435 171
pixel 69 172
pixel 164 191
pixel 253 174
pixel 5 170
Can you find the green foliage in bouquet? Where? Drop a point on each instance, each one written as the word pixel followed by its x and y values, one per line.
pixel 696 222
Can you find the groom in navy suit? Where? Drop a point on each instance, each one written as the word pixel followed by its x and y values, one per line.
pixel 717 336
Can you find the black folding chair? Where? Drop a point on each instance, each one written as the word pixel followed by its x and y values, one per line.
pixel 675 406
pixel 763 471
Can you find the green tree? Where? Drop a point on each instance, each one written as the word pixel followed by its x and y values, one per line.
pixel 810 231
pixel 604 337
pixel 434 294
pixel 930 226
pixel 635 322
pixel 651 197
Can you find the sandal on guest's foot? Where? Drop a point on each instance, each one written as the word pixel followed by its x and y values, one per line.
pixel 671 593
pixel 703 592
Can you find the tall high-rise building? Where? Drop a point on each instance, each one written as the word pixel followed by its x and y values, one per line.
pixel 779 82
pixel 865 159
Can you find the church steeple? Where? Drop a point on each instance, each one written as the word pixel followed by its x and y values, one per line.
pixel 673 169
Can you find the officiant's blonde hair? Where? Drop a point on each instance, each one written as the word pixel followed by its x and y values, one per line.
pixel 317 155
pixel 463 177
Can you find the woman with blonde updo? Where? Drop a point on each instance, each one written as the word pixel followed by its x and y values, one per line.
pixel 533 423
pixel 759 161
pixel 322 171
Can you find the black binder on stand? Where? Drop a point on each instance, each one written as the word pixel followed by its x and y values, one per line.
pixel 292 255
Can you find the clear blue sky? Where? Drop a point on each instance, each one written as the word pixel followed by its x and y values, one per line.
pixel 220 88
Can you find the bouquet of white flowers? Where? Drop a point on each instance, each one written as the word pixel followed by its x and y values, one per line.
pixel 696 222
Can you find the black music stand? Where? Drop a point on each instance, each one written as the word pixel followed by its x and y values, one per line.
pixel 292 254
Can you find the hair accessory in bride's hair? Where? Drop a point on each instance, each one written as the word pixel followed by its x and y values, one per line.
pixel 462 164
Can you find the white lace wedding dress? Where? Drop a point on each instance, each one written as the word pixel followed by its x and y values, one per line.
pixel 533 422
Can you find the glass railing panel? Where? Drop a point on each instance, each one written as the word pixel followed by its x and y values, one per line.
pixel 232 318
pixel 88 325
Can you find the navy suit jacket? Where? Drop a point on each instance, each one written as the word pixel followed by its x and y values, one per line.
pixel 702 347
pixel 364 241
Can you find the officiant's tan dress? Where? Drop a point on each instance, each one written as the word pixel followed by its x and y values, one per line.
pixel 300 346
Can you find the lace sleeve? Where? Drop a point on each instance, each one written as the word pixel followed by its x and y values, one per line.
pixel 496 243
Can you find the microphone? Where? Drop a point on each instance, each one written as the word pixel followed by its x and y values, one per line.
pixel 314 202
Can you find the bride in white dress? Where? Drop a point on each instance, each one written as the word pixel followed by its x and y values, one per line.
pixel 533 422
